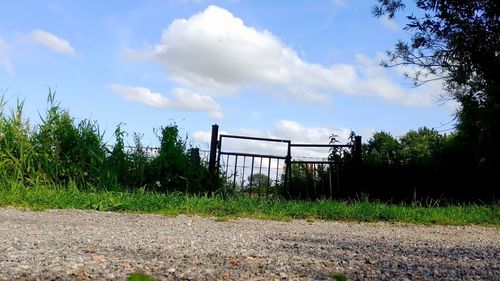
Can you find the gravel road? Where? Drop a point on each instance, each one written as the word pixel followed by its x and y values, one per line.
pixel 90 245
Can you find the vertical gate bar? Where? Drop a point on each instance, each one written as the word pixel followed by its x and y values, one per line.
pixel 219 146
pixel 314 180
pixel 330 180
pixel 243 174
pixel 268 177
pixel 251 175
pixel 227 166
pixel 288 168
pixel 235 167
pixel 322 175
pixel 260 172
pixel 260 167
pixel 277 170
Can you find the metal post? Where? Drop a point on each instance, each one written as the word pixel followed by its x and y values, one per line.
pixel 213 149
pixel 288 167
pixel 330 180
pixel 357 149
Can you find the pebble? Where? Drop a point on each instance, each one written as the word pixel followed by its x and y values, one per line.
pixel 91 245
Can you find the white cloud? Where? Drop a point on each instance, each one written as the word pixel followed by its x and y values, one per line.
pixel 377 81
pixel 52 41
pixel 5 57
pixel 389 23
pixel 181 99
pixel 215 52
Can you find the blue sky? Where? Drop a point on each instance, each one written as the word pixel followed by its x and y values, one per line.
pixel 300 70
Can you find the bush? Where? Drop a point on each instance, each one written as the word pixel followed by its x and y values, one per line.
pixel 64 152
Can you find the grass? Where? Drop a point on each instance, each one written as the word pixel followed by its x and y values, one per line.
pixel 140 201
pixel 140 277
pixel 338 277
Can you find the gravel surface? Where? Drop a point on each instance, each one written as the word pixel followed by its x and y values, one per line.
pixel 90 245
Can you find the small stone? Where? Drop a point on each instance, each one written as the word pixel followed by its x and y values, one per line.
pixel 99 259
pixel 209 271
pixel 171 270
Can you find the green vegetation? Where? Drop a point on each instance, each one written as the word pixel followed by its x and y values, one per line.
pixel 338 277
pixel 61 163
pixel 140 277
pixel 171 204
pixel 458 43
pixel 61 151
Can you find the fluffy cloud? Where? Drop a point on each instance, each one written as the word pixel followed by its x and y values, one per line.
pixel 377 82
pixel 215 51
pixel 51 41
pixel 5 57
pixel 181 99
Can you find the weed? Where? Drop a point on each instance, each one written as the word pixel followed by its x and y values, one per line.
pixel 140 277
pixel 337 276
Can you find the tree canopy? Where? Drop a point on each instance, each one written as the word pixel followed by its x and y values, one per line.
pixel 457 41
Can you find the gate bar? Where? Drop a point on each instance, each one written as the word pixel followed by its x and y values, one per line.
pixel 254 138
pixel 321 145
pixel 251 155
pixel 235 163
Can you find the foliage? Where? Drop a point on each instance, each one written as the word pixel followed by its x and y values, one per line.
pixel 17 153
pixel 458 41
pixel 420 147
pixel 260 184
pixel 421 164
pixel 59 150
pixel 382 149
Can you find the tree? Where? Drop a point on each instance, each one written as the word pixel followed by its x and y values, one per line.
pixel 169 168
pixel 383 149
pixel 420 147
pixel 259 181
pixel 457 41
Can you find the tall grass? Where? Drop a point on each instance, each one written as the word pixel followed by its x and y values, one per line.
pixel 58 150
pixel 142 201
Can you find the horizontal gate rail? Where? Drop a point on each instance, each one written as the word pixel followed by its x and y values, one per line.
pixel 252 155
pixel 311 162
pixel 254 138
pixel 321 145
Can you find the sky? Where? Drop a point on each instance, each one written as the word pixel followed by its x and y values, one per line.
pixel 298 70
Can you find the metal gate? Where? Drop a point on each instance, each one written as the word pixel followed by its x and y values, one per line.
pixel 269 173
